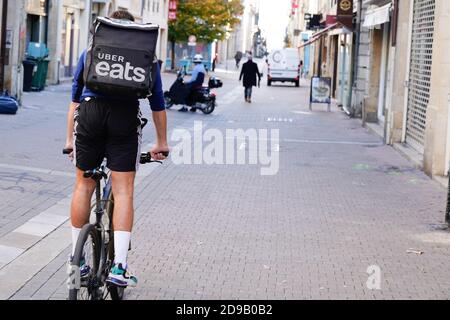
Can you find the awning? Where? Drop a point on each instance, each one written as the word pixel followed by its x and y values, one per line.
pixel 377 16
pixel 319 34
pixel 338 31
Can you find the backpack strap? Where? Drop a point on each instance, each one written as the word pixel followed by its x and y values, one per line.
pixel 153 75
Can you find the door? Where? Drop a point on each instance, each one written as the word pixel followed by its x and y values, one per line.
pixel 420 72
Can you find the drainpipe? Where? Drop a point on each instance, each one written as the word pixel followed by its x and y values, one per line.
pixel 319 69
pixel 447 211
pixel 3 45
pixel 356 58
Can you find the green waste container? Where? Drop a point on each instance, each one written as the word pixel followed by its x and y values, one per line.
pixel 40 76
pixel 28 67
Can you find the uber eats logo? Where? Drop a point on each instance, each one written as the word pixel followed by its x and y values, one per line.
pixel 115 67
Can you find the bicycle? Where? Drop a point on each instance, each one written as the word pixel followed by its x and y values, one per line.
pixel 95 243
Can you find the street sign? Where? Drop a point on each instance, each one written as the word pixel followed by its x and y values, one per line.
pixel 345 13
pixel 9 39
pixel 173 7
pixel 172 15
pixel 192 41
pixel 320 91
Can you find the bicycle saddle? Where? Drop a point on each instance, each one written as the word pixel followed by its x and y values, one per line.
pixel 96 174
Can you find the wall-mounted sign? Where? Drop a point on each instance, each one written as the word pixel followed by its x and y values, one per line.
pixel 320 91
pixel 172 15
pixel 345 13
pixel 8 39
pixel 173 7
pixel 331 19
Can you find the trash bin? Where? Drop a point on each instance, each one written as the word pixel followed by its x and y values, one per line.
pixel 28 66
pixel 40 76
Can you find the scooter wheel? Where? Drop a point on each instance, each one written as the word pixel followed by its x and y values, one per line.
pixel 210 106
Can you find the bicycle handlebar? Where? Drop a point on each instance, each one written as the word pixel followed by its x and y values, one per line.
pixel 147 158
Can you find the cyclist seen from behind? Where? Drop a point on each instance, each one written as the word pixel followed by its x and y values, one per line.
pixel 196 83
pixel 110 127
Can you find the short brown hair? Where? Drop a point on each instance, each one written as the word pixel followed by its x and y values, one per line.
pixel 122 15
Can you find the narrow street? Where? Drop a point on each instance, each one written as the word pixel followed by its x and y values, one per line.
pixel 341 203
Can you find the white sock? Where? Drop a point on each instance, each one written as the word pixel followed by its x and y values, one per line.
pixel 121 246
pixel 75 234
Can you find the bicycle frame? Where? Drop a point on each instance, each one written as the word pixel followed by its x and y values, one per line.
pixel 101 203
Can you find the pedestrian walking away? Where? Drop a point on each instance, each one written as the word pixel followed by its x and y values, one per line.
pixel 214 62
pixel 238 58
pixel 250 76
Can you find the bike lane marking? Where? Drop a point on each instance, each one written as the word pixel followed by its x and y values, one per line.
pixel 38 170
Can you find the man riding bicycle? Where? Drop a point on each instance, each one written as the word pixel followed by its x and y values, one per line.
pixel 110 127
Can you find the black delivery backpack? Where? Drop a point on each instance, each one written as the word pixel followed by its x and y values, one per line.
pixel 120 58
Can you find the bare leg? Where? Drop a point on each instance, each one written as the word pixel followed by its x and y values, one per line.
pixel 123 191
pixel 81 200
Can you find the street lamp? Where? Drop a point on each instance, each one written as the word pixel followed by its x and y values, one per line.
pixel 227 38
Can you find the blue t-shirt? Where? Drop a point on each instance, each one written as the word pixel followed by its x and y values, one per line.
pixel 79 90
pixel 198 75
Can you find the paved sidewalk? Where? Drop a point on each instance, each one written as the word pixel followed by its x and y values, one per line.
pixel 340 203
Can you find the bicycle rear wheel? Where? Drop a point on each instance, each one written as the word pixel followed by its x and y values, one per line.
pixel 83 282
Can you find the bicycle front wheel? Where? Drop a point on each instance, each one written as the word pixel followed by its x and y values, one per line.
pixel 83 281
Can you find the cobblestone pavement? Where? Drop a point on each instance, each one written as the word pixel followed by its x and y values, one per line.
pixel 340 203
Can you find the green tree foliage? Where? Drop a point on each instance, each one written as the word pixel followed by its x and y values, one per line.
pixel 208 20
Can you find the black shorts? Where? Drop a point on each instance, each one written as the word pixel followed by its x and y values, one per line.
pixel 107 129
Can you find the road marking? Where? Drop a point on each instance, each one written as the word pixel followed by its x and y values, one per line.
pixel 50 231
pixel 303 112
pixel 14 275
pixel 356 143
pixel 230 96
pixel 279 120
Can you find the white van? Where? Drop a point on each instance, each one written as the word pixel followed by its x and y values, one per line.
pixel 284 66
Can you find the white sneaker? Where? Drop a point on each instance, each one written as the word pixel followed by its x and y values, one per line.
pixel 120 277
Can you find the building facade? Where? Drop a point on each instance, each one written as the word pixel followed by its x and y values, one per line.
pixel 64 26
pixel 242 36
pixel 391 70
pixel 327 46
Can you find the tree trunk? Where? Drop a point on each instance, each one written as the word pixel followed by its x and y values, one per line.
pixel 173 55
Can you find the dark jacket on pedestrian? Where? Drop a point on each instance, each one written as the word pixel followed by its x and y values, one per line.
pixel 250 73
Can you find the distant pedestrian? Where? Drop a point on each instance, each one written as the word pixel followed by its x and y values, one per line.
pixel 238 58
pixel 252 77
pixel 215 60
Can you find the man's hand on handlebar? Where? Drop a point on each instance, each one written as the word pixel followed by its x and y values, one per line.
pixel 159 152
pixel 68 150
